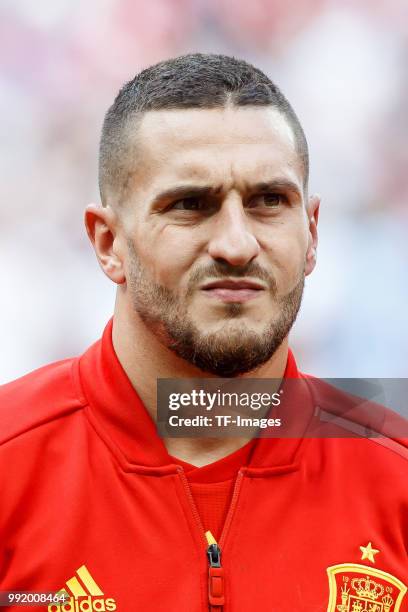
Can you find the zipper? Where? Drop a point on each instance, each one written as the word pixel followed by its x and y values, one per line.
pixel 216 598
pixel 216 577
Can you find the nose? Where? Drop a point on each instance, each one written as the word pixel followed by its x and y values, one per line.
pixel 232 239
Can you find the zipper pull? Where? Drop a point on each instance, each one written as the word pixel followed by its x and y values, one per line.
pixel 215 574
pixel 213 550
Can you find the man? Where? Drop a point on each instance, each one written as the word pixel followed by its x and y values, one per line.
pixel 207 229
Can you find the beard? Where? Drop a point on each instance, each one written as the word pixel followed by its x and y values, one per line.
pixel 231 350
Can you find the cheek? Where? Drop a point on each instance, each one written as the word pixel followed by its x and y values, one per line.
pixel 286 253
pixel 168 258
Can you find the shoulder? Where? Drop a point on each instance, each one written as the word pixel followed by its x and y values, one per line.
pixel 352 414
pixel 46 394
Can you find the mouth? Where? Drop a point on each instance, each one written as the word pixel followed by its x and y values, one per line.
pixel 231 290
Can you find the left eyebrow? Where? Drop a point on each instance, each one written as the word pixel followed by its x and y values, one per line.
pixel 281 184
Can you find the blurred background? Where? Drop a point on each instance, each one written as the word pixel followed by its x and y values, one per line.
pixel 343 65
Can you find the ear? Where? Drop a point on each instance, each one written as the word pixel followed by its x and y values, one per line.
pixel 102 227
pixel 312 211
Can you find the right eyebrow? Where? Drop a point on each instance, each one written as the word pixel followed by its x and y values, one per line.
pixel 183 191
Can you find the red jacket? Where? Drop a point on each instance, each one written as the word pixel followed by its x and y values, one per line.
pixel 90 504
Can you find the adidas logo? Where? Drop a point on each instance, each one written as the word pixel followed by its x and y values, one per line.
pixel 83 595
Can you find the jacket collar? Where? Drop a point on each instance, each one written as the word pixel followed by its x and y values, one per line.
pixel 117 412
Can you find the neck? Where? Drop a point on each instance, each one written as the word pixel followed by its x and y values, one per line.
pixel 145 359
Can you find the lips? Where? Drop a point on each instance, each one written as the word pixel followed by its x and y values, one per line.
pixel 233 284
pixel 229 290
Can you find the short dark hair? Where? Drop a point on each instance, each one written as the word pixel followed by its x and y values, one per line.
pixel 196 80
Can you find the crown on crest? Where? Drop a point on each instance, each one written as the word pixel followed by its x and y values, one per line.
pixel 387 601
pixel 366 587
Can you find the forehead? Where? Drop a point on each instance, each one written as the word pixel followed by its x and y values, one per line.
pixel 235 145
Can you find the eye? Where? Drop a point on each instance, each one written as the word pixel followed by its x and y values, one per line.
pixel 267 200
pixel 192 203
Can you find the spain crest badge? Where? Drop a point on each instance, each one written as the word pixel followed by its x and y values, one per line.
pixel 359 588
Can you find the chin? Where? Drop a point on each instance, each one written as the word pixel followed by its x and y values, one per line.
pixel 231 313
pixel 233 328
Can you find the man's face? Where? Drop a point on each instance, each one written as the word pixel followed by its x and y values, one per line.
pixel 217 234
